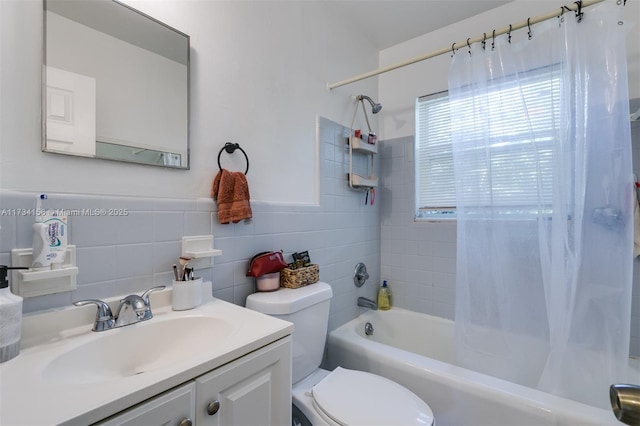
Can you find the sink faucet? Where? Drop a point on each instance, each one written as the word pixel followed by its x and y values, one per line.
pixel 132 309
pixel 367 303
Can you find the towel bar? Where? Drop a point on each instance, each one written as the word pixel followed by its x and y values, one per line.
pixel 231 148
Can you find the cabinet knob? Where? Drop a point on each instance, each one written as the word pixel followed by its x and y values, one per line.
pixel 186 422
pixel 213 407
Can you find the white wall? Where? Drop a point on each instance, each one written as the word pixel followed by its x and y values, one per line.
pixel 399 89
pixel 258 78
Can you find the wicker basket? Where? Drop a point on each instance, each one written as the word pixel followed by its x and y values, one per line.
pixel 296 278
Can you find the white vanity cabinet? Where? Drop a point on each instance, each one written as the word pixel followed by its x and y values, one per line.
pixel 252 390
pixel 174 407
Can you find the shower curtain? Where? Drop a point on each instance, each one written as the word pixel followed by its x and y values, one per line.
pixel 542 160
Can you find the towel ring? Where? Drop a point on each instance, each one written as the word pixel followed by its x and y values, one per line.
pixel 230 148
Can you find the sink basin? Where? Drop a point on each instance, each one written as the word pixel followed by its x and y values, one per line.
pixel 136 349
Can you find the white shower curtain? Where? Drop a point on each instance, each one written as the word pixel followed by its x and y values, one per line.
pixel 542 159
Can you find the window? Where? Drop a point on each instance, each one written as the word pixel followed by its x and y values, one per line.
pixel 435 186
pixel 521 128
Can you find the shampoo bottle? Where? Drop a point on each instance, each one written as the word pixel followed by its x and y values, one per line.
pixel 384 297
pixel 10 319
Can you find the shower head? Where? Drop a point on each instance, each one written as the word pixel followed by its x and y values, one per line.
pixel 375 108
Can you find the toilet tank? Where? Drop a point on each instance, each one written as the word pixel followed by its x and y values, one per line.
pixel 308 309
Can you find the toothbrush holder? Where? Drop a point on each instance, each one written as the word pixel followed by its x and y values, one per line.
pixel 186 294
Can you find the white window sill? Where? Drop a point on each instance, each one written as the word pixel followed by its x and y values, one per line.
pixel 442 216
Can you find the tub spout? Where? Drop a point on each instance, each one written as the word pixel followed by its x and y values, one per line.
pixel 625 402
pixel 367 303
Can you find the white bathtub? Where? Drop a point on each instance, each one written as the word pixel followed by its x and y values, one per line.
pixel 416 350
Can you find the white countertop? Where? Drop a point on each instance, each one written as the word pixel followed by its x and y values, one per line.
pixel 27 397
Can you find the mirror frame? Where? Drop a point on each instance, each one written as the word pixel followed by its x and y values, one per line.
pixel 187 166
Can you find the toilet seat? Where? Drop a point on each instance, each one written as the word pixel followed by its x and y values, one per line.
pixel 351 397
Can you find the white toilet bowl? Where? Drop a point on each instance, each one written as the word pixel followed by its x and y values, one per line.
pixel 339 397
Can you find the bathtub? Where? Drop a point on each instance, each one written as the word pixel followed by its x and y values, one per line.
pixel 456 395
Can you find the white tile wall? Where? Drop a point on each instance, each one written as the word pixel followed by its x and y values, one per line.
pixel 418 258
pixel 126 254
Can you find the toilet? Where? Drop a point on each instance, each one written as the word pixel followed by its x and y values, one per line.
pixel 341 396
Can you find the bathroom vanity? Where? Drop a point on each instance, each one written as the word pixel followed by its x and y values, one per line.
pixel 250 388
pixel 218 364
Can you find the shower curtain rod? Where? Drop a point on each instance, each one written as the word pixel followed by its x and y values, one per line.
pixel 486 36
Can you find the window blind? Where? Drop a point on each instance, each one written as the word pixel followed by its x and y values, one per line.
pixel 513 170
pixel 435 185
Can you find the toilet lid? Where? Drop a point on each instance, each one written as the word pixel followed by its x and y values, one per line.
pixel 351 397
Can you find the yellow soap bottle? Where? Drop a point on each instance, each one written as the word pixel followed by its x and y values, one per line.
pixel 384 297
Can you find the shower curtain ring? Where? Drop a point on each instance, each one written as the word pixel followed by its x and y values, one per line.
pixel 529 26
pixel 469 45
pixel 562 10
pixel 509 33
pixel 484 41
pixel 493 42
pixel 579 12
pixel 453 50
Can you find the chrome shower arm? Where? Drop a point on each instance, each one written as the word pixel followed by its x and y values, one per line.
pixel 375 107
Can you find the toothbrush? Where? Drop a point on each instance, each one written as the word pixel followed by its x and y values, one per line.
pixel 39 211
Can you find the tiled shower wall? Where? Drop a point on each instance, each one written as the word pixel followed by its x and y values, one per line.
pixel 419 258
pixel 127 254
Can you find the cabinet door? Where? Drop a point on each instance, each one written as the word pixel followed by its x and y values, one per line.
pixel 254 390
pixel 172 408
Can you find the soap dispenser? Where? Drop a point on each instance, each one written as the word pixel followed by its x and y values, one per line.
pixel 384 297
pixel 10 318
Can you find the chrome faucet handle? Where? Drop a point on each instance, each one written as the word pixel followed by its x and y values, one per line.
pixel 104 317
pixel 360 274
pixel 145 297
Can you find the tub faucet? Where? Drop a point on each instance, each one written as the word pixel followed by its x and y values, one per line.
pixel 367 303
pixel 625 402
pixel 132 309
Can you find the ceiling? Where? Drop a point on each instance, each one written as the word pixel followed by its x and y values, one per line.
pixel 407 19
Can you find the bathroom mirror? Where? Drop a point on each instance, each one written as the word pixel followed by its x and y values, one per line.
pixel 116 84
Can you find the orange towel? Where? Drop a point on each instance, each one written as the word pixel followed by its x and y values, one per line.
pixel 231 190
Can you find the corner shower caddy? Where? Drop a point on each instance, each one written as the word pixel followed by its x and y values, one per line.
pixel 358 146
